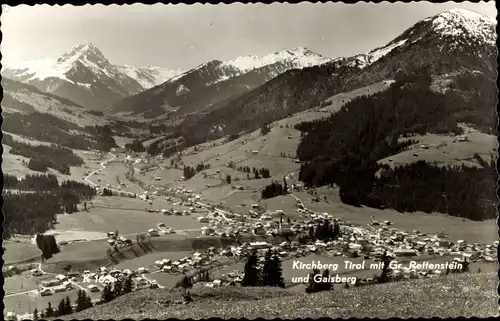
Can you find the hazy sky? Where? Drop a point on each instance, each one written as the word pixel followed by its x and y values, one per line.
pixel 183 36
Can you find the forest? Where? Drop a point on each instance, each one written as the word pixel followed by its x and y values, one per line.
pixel 344 148
pixel 44 156
pixel 31 204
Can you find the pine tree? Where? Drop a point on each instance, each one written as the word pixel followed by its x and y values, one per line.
pixel 277 272
pixel 336 230
pixel 252 275
pixel 107 293
pixel 61 308
pixel 68 309
pixel 326 286
pixel 50 311
pixel 186 282
pixel 267 270
pixel 80 301
pixel 128 285
pixel 313 285
pixel 35 314
pixel 386 272
pixel 42 315
pixel 118 288
pixel 87 301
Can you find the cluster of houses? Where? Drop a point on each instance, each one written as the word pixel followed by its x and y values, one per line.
pixel 60 283
pixel 119 241
pixel 415 243
pixel 187 264
pixel 105 276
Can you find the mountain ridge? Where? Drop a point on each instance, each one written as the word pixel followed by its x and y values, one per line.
pixel 214 81
pixel 426 43
pixel 82 74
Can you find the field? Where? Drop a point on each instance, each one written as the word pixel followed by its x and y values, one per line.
pixel 446 150
pixel 127 215
pixel 20 252
pixel 21 283
pixel 28 302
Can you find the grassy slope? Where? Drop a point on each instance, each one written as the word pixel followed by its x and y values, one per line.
pixel 449 296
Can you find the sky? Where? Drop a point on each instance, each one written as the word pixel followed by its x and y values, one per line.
pixel 184 36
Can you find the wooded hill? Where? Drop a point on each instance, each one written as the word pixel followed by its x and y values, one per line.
pixel 344 148
pixel 31 204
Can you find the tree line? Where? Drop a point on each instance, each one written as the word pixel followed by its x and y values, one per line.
pixel 44 156
pixel 190 171
pixel 258 173
pixel 48 128
pixel 32 208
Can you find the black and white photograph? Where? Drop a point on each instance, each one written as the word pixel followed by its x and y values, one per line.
pixel 276 160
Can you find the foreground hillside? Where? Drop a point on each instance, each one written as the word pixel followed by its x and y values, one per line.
pixel 451 296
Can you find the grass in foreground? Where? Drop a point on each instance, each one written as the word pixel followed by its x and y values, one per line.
pixel 450 296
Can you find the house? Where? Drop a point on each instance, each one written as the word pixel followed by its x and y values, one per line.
pixel 61 277
pixel 255 152
pixel 207 230
pixel 153 232
pixel 59 289
pixel 52 282
pixel 259 245
pixel 118 150
pixel 45 292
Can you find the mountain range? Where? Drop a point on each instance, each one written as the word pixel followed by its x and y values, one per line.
pixel 451 44
pixel 248 91
pixel 208 85
pixel 85 76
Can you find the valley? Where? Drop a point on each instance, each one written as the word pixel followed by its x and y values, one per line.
pixel 276 151
pixel 227 175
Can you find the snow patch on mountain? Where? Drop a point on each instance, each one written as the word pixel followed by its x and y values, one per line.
pixel 300 57
pixel 149 76
pixel 41 69
pixel 456 22
pixel 379 53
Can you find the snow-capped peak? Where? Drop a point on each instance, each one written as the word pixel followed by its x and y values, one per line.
pixel 455 22
pixel 150 75
pixel 300 55
pixel 87 52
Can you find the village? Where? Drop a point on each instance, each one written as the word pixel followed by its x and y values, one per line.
pixel 290 234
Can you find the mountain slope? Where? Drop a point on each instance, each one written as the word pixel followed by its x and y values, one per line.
pixel 82 75
pixel 432 42
pixel 208 84
pixel 415 298
pixel 36 115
